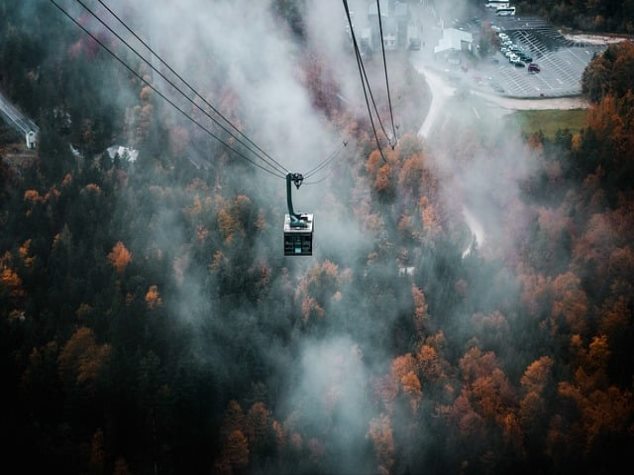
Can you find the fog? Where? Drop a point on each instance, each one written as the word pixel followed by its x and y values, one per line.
pixel 241 48
pixel 246 61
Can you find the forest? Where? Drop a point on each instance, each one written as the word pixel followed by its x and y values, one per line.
pixel 151 324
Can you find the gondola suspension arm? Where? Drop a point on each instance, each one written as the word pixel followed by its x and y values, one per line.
pixel 296 219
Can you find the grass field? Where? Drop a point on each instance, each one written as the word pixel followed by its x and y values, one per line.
pixel 549 121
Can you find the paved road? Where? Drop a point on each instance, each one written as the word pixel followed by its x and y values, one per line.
pixel 440 92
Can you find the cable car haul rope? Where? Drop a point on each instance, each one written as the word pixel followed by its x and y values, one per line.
pixel 365 83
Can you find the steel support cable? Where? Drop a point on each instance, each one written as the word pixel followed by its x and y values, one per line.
pixel 325 162
pixel 317 182
pixel 191 88
pixel 274 165
pixel 365 94
pixel 323 165
pixel 320 180
pixel 361 65
pixel 273 172
pixel 365 77
pixel 361 69
pixel 387 82
pixel 371 94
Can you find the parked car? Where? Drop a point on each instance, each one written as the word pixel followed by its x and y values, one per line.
pixel 518 64
pixel 533 68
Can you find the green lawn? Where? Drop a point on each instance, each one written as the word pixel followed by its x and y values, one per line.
pixel 549 121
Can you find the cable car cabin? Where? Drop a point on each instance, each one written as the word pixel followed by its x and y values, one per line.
pixel 298 241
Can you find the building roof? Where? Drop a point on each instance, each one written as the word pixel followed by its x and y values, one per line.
pixel 124 153
pixel 452 40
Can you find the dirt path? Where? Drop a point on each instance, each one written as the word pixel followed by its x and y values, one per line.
pixel 595 39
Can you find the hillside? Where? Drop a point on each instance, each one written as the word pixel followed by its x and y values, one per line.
pixel 149 322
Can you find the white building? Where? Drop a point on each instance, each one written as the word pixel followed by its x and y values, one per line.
pixel 454 40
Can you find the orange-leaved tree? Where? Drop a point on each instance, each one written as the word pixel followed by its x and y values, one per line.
pixel 119 257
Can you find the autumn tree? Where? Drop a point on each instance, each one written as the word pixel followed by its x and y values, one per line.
pixel 380 433
pixel 469 423
pixel 534 382
pixel 492 330
pixel 609 72
pixel 420 309
pixel 119 257
pixel 570 303
pixel 320 287
pixel 11 281
pixel 431 365
pixel 606 410
pixel 233 419
pixel 82 360
pixel 404 374
pixel 143 116
pixel 153 297
pixel 235 453
pixel 259 430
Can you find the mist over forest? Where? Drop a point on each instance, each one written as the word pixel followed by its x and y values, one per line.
pixel 467 307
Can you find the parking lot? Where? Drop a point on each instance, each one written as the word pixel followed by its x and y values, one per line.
pixel 561 61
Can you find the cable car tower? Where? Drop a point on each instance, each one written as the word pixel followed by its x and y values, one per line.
pixel 298 227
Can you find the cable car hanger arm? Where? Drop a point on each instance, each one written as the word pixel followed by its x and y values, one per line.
pixel 297 221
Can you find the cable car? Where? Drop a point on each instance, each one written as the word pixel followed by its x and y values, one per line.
pixel 298 227
pixel 298 241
